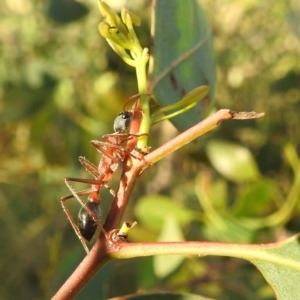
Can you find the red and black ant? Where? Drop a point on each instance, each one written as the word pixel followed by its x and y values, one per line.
pixel 113 151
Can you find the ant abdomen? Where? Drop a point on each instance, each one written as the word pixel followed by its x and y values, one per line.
pixel 87 226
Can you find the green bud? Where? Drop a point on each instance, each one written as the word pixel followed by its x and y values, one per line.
pixel 112 19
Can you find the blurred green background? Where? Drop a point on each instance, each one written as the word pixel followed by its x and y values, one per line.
pixel 61 86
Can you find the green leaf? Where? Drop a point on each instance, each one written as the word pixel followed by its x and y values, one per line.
pixel 152 210
pixel 284 276
pixel 218 193
pixel 171 231
pixel 163 296
pixel 24 101
pixel 254 200
pixel 230 230
pixel 66 11
pixel 186 103
pixel 233 161
pixel 183 35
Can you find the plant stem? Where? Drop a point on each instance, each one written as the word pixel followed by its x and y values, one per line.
pixel 242 251
pixel 144 103
pixel 83 273
pixel 188 136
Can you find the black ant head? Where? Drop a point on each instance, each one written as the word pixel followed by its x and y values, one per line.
pixel 123 121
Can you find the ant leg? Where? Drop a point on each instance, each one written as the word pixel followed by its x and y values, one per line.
pixel 89 181
pixel 81 193
pixel 119 151
pixel 113 141
pixel 120 137
pixel 71 220
pixel 107 152
pixel 93 170
pixel 138 155
pixel 90 167
pixel 85 207
pixel 134 97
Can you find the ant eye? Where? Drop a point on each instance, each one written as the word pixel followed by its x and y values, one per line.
pixel 122 121
pixel 126 115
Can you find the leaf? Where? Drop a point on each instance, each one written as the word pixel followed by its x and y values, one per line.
pixel 181 34
pixel 293 19
pixel 23 101
pixel 152 210
pixel 187 102
pixel 233 161
pixel 171 231
pixel 231 230
pixel 217 192
pixel 64 11
pixel 162 296
pixel 255 199
pixel 284 276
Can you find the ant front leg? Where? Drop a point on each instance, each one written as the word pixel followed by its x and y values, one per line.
pixel 118 151
pixel 112 144
pixel 118 138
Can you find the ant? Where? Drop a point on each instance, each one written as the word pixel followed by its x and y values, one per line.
pixel 112 150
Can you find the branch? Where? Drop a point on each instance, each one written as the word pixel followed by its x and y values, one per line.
pixel 191 134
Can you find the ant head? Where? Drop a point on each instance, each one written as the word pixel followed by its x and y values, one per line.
pixel 123 121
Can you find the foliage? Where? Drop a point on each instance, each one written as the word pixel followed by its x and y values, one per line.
pixel 62 87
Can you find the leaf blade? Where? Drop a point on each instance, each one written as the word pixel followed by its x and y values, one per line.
pixel 283 277
pixel 182 57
